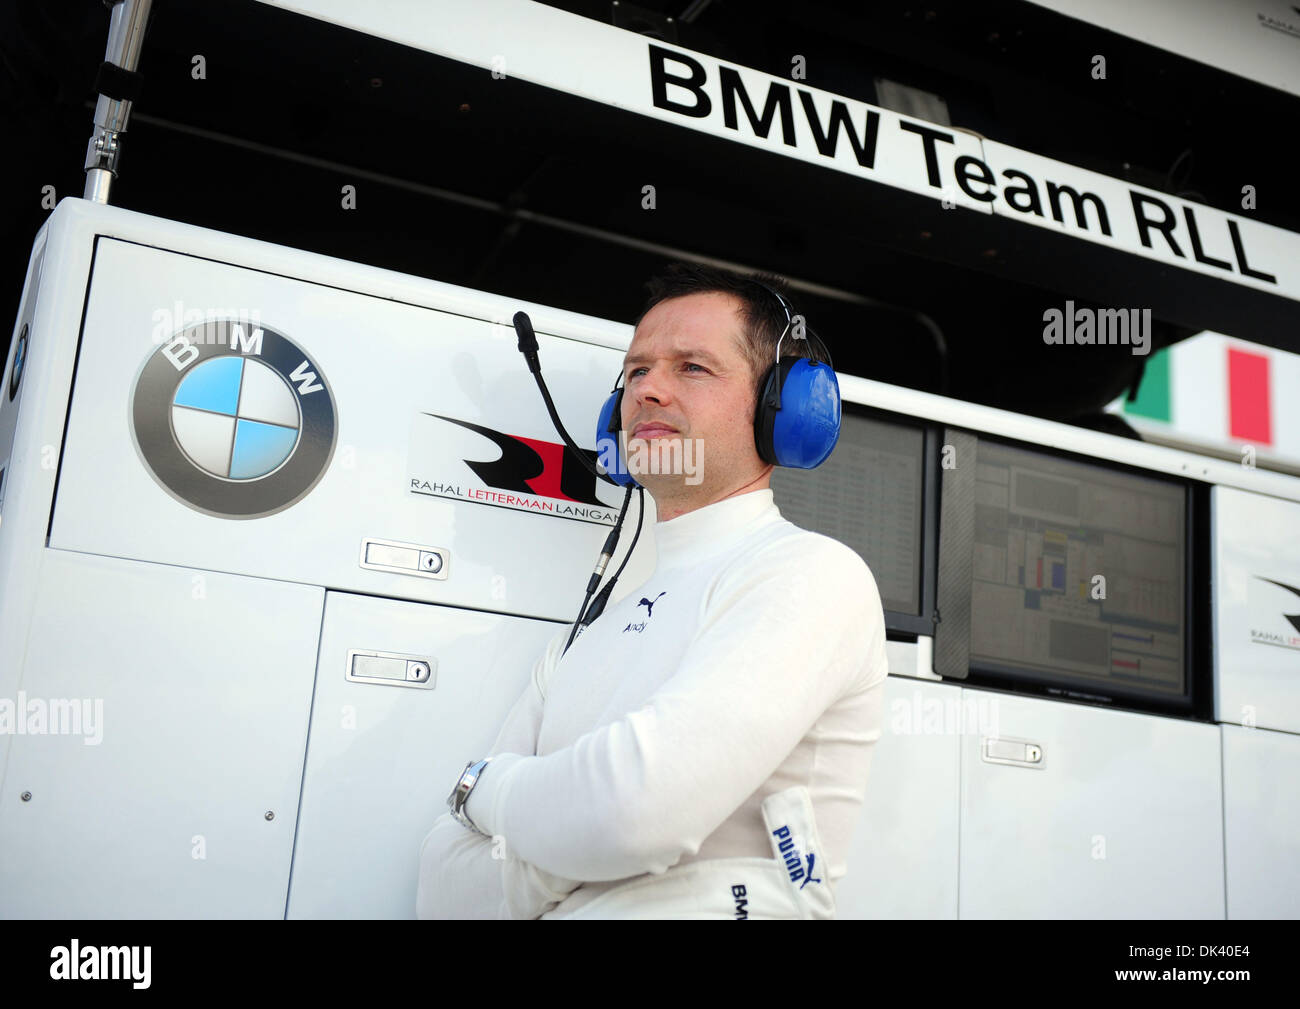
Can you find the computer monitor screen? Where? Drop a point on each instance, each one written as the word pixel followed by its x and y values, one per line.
pixel 868 495
pixel 1078 573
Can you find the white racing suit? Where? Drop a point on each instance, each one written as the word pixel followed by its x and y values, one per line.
pixel 752 639
pixel 793 884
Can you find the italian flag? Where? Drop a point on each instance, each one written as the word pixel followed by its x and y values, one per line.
pixel 1214 390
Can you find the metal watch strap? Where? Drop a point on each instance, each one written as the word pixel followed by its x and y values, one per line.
pixel 460 794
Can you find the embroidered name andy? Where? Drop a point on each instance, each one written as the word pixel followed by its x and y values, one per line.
pixel 649 605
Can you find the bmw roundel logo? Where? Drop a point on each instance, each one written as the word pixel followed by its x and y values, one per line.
pixel 233 419
pixel 20 359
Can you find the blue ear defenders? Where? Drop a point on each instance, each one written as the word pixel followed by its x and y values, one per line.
pixel 608 425
pixel 796 420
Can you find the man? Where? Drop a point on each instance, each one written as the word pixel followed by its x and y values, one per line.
pixel 702 748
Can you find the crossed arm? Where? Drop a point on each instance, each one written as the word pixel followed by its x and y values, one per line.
pixel 775 648
pixel 636 795
pixel 467 875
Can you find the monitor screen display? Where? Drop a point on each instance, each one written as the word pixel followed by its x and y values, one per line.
pixel 1078 573
pixel 868 495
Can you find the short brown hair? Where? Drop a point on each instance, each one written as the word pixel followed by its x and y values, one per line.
pixel 763 320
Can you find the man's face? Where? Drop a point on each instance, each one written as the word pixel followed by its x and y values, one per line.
pixel 685 371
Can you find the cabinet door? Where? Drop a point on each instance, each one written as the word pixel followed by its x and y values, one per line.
pixel 383 754
pixel 902 861
pixel 1120 816
pixel 181 700
pixel 1262 822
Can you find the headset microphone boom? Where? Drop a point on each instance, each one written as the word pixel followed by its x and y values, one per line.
pixel 528 347
pixel 796 424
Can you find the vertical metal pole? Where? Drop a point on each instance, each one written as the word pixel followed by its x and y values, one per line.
pixel 118 83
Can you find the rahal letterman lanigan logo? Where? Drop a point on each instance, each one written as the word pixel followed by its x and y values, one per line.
pixel 1275 633
pixel 527 474
pixel 233 420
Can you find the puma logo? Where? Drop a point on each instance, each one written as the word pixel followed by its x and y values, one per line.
pixel 649 604
pixel 794 860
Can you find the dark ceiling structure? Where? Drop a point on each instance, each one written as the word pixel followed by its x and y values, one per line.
pixel 513 188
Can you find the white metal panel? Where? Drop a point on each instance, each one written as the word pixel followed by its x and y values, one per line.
pixel 79 221
pixel 1175 771
pixel 912 658
pixel 382 758
pixel 203 681
pixel 902 860
pixel 1124 818
pixel 1262 822
pixel 1256 632
pixel 389 368
pixel 38 413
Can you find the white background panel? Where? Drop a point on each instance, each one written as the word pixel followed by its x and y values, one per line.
pixel 1262 836
pixel 902 860
pixel 205 682
pixel 1143 790
pixel 1257 650
pixel 378 773
pixel 385 363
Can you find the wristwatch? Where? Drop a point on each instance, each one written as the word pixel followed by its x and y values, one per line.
pixel 460 794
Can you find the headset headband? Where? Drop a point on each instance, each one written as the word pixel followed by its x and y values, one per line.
pixel 786 306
